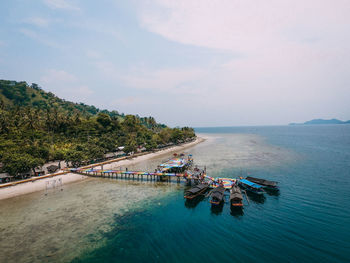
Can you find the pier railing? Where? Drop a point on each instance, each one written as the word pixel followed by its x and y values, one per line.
pixel 121 174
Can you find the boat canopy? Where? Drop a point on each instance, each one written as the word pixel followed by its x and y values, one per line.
pixel 236 196
pixel 174 163
pixel 235 189
pixel 197 188
pixel 236 193
pixel 249 183
pixel 262 181
pixel 218 193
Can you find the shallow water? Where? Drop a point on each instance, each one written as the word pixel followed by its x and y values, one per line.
pixel 63 224
pixel 114 221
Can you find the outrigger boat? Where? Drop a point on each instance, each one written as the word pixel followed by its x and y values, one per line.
pixel 270 185
pixel 251 187
pixel 236 197
pixel 196 190
pixel 217 195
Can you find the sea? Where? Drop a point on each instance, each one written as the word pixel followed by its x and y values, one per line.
pixel 108 220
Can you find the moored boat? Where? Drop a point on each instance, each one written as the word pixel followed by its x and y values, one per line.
pixel 236 197
pixel 196 190
pixel 270 185
pixel 251 187
pixel 217 195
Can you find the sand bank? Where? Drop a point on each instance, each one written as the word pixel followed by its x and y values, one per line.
pixel 40 185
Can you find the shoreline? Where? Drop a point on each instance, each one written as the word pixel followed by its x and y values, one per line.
pixel 39 184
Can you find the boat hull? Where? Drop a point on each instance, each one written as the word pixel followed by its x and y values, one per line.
pixel 218 196
pixel 236 197
pixel 251 190
pixel 238 205
pixel 268 185
pixel 216 203
pixel 189 196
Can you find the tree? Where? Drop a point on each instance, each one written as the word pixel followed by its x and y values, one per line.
pixel 94 152
pixel 131 123
pixel 76 157
pixel 104 119
pixel 151 144
pixel 165 135
pixel 16 162
pixel 130 145
pixel 36 127
pixel 60 155
pixel 176 135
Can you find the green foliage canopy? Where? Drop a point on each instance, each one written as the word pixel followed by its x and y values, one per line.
pixel 37 127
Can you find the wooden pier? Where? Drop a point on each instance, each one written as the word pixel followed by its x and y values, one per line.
pixel 173 168
pixel 132 175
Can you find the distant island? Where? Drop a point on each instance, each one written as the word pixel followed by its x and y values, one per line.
pixel 322 121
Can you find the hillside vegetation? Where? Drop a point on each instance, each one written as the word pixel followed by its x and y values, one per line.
pixel 37 127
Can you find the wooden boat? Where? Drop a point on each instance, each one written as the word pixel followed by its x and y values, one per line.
pixel 196 190
pixel 236 197
pixel 217 195
pixel 270 185
pixel 251 187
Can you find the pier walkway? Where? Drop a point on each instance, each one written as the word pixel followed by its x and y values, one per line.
pixel 121 174
pixel 173 168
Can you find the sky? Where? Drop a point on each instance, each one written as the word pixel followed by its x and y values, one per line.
pixel 185 62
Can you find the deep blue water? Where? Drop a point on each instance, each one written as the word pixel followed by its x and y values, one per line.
pixel 309 221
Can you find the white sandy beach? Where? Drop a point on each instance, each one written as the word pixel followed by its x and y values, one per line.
pixel 40 185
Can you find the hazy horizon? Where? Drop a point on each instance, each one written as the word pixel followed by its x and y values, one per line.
pixel 186 63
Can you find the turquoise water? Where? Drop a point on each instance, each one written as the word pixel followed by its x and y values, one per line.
pixel 309 221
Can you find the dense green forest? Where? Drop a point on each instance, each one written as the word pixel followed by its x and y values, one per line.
pixel 37 127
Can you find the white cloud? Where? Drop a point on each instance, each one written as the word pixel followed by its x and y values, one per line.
pixel 270 37
pixel 81 91
pixel 242 25
pixel 293 55
pixel 41 39
pixel 167 80
pixel 38 21
pixel 61 4
pixel 90 53
pixel 65 85
pixel 61 76
pixel 127 101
